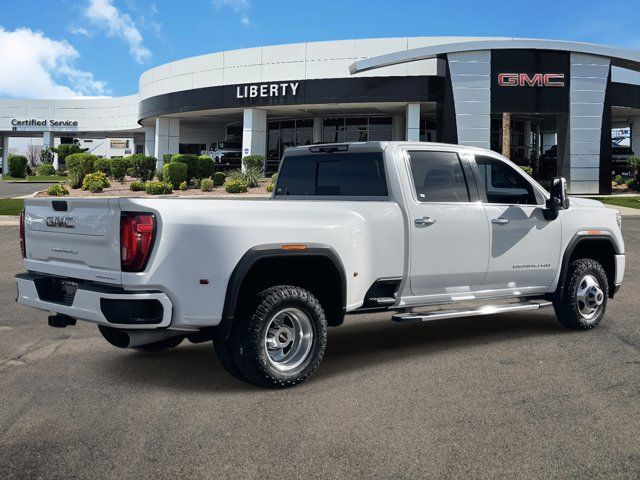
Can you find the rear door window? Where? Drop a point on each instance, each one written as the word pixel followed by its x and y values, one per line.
pixel 438 177
pixel 358 174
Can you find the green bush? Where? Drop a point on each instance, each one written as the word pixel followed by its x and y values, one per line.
pixel 119 167
pixel 254 161
pixel 137 186
pixel 219 178
pixel 251 176
pixel 206 166
pixel 98 177
pixel 159 175
pixel 144 167
pixel 57 190
pixel 18 166
pixel 206 184
pixel 166 158
pixel 79 165
pixel 95 186
pixel 158 188
pixel 102 165
pixel 46 170
pixel 191 161
pixel 46 155
pixel 197 182
pixel 528 170
pixel 66 150
pixel 183 186
pixel 175 173
pixel 618 179
pixel 633 184
pixel 270 187
pixel 236 186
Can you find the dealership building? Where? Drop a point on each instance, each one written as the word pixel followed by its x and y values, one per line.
pixel 564 99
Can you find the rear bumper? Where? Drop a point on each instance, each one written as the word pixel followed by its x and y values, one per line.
pixel 101 305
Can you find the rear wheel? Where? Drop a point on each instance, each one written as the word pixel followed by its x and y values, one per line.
pixel 282 343
pixel 584 299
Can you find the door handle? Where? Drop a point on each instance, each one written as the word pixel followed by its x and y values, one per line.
pixel 424 221
pixel 500 221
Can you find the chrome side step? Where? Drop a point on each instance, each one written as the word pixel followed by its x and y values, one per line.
pixel 471 312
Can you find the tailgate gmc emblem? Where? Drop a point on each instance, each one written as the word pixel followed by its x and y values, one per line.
pixel 61 222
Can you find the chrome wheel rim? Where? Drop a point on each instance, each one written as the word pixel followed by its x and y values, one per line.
pixel 288 339
pixel 589 297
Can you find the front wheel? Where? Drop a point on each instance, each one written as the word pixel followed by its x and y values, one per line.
pixel 283 342
pixel 585 294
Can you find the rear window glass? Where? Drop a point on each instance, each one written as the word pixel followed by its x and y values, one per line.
pixel 333 174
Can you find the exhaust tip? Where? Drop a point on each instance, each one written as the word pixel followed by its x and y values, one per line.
pixel 60 321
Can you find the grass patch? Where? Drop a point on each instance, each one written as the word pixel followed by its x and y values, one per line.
pixel 11 206
pixel 37 178
pixel 631 202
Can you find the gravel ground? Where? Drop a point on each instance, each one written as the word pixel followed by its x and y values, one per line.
pixel 515 396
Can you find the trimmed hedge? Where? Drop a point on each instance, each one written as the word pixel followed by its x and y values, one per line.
pixel 158 188
pixel 57 190
pixel 191 161
pixel 175 173
pixel 144 167
pixel 18 166
pixel 102 165
pixel 206 166
pixel 46 169
pixel 219 178
pixel 236 186
pixel 206 185
pixel 79 165
pixel 98 178
pixel 253 161
pixel 137 186
pixel 119 166
pixel 166 158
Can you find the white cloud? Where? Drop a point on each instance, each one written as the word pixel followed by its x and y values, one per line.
pixel 78 30
pixel 35 66
pixel 103 14
pixel 237 6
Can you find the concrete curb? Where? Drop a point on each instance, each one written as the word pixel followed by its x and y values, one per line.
pixel 9 220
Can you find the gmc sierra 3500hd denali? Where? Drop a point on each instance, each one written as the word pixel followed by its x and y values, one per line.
pixel 351 228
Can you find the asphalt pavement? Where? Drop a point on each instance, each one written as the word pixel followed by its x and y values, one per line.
pixel 16 189
pixel 511 396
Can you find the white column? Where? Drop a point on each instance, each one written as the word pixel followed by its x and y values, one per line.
pixel 166 138
pixel 397 128
pixel 5 155
pixel 317 130
pixel 150 141
pixel 254 132
pixel 635 135
pixel 413 122
pixel 47 142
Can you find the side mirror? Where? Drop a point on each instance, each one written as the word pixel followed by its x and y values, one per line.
pixel 558 198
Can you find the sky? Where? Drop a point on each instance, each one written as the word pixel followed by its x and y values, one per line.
pixel 73 48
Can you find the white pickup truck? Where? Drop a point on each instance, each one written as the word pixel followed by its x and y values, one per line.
pixel 425 230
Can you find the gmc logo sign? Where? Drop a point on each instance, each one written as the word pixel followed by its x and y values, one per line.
pixel 535 80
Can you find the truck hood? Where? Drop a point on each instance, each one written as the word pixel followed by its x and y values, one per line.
pixel 585 202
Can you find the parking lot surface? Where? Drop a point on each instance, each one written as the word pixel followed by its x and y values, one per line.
pixel 512 396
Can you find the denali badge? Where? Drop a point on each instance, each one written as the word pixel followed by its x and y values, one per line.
pixel 62 222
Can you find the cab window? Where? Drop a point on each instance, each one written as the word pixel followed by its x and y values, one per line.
pixel 438 177
pixel 503 184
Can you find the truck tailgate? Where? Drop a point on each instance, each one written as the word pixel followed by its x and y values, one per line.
pixel 75 237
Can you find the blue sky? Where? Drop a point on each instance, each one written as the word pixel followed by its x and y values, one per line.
pixel 66 48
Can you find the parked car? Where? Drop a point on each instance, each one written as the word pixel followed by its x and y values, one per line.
pixel 351 228
pixel 227 153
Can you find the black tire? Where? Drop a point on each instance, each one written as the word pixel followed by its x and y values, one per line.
pixel 280 309
pixel 224 353
pixel 160 346
pixel 571 309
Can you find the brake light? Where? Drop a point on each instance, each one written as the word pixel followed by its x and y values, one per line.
pixel 137 233
pixel 23 245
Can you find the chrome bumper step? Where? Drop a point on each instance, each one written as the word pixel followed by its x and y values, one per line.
pixel 471 312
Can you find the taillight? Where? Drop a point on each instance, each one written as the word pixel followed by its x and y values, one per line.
pixel 23 245
pixel 137 232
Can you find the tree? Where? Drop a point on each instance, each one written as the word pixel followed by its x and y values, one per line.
pixel 506 134
pixel 67 149
pixel 634 167
pixel 46 155
pixel 33 154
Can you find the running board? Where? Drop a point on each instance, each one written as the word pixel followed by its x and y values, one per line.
pixel 471 312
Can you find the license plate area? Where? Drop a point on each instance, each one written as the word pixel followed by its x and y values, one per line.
pixel 56 290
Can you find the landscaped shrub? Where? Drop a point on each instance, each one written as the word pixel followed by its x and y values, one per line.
pixel 95 186
pixel 219 178
pixel 137 186
pixel 175 173
pixel 46 170
pixel 236 186
pixel 92 178
pixel 526 169
pixel 270 187
pixel 251 176
pixel 102 165
pixel 66 149
pixel 254 161
pixel 119 167
pixel 17 166
pixel 158 188
pixel 166 158
pixel 46 156
pixel 79 165
pixel 633 184
pixel 191 161
pixel 144 167
pixel 618 179
pixel 57 190
pixel 206 184
pixel 196 182
pixel 206 166
pixel 183 186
